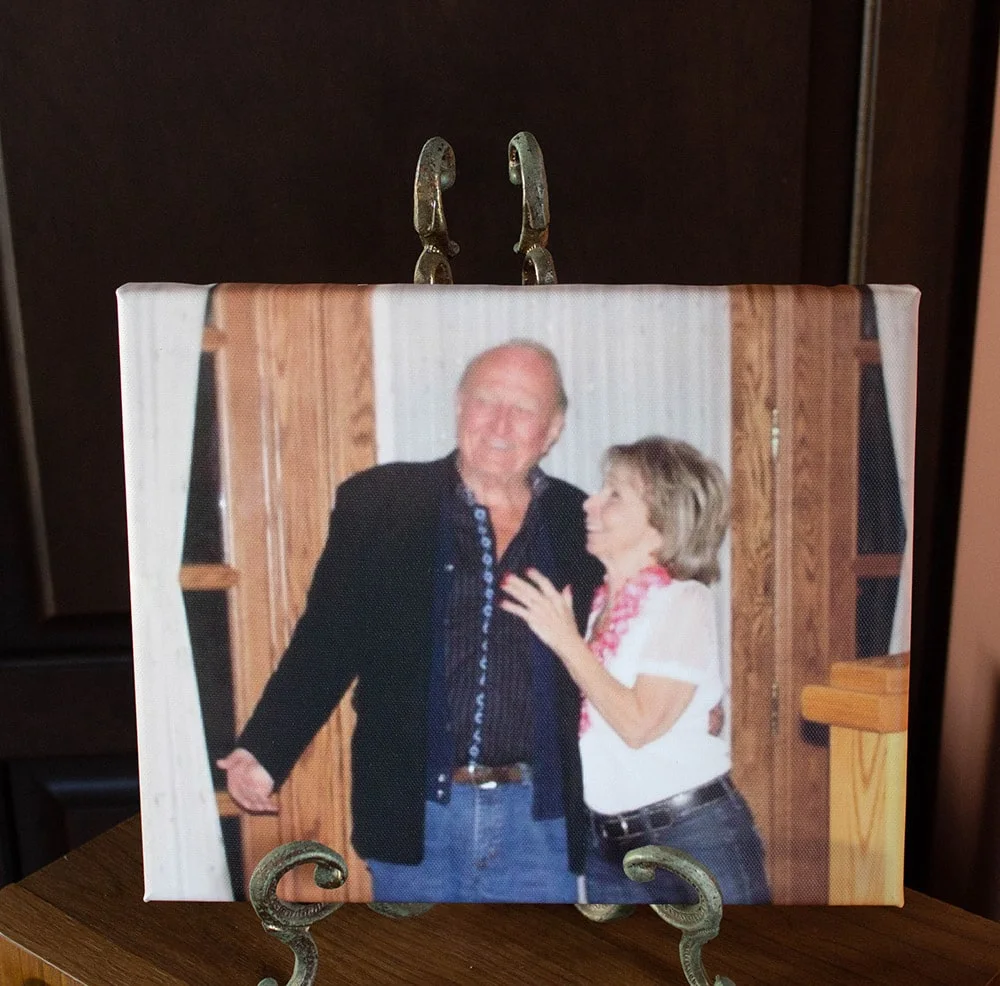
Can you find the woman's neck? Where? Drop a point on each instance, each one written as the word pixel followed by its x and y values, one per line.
pixel 618 573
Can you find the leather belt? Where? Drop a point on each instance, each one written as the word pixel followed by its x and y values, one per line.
pixel 631 828
pixel 483 775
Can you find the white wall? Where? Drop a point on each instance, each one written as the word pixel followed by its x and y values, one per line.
pixel 636 361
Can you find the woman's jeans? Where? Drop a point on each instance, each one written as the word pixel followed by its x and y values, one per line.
pixel 721 835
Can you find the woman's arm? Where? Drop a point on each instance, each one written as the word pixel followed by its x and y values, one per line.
pixel 639 714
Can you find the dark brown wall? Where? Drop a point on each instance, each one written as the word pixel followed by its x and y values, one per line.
pixel 936 83
pixel 700 143
pixel 260 146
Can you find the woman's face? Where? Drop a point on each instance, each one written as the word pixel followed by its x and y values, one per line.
pixel 618 529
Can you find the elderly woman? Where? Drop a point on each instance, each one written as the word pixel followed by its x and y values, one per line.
pixel 650 672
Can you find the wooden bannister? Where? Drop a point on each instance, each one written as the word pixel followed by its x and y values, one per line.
pixel 865 706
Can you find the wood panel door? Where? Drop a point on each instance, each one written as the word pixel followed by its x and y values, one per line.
pixel 797 360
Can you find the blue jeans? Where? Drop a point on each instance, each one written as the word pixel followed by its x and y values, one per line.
pixel 721 835
pixel 484 846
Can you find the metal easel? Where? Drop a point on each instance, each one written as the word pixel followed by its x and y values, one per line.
pixel 290 922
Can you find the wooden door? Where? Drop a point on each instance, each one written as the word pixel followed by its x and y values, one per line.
pixel 797 356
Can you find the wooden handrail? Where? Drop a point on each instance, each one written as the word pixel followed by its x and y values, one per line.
pixel 869 695
pixel 853 710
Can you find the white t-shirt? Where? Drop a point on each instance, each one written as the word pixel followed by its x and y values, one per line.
pixel 673 635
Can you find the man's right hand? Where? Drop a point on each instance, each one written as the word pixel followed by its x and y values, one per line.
pixel 249 784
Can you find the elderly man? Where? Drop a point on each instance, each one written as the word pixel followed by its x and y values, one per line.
pixel 466 773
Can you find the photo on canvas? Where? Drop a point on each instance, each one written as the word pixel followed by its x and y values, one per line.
pixel 483 587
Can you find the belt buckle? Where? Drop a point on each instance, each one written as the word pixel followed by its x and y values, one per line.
pixel 663 817
pixel 488 783
pixel 620 829
pixel 679 802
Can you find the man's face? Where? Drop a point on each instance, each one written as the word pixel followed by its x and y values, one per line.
pixel 507 415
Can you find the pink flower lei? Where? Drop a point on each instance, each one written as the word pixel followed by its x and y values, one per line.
pixel 627 604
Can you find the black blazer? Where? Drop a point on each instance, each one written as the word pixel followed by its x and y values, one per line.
pixel 368 616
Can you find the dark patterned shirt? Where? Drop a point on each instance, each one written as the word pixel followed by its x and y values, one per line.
pixel 504 731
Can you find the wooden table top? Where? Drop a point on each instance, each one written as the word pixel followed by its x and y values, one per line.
pixel 84 916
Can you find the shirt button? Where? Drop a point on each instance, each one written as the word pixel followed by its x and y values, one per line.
pixel 442 778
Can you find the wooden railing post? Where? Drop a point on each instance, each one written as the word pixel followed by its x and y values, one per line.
pixel 865 706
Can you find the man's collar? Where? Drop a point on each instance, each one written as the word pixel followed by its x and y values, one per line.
pixel 538 481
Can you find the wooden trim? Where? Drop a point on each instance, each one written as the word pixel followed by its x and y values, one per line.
pixel 842 471
pixel 815 541
pixel 800 770
pixel 752 315
pixel 854 710
pixel 877 566
pixel 240 399
pixel 199 578
pixel 212 339
pixel 784 866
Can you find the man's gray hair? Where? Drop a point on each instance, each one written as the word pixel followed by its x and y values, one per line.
pixel 562 401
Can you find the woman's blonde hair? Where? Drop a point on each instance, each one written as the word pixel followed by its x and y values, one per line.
pixel 688 501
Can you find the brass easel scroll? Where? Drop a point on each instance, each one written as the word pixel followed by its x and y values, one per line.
pixel 526 168
pixel 435 173
pixel 290 923
pixel 699 923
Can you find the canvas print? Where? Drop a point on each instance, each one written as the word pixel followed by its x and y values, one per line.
pixel 483 587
